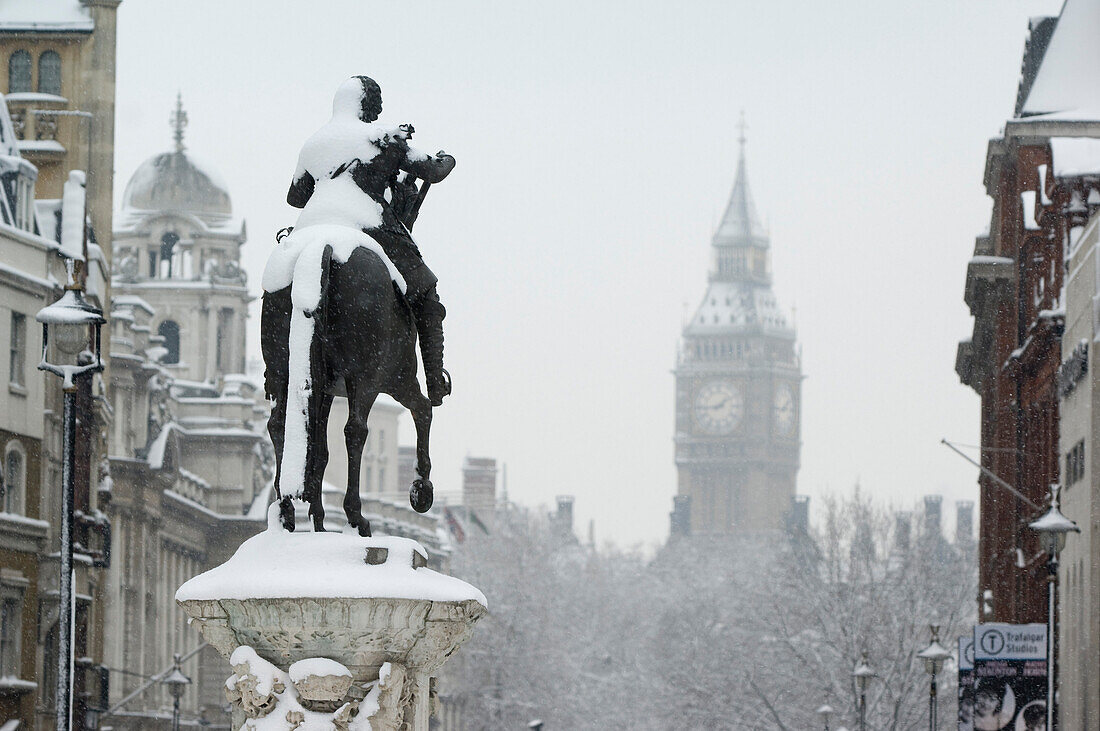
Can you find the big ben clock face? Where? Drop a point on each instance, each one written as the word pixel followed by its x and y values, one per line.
pixel 783 411
pixel 718 407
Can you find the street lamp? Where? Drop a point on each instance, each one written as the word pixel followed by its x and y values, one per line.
pixel 177 682
pixel 73 324
pixel 863 675
pixel 933 656
pixel 826 712
pixel 1052 529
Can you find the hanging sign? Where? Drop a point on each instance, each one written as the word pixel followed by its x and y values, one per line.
pixel 1010 677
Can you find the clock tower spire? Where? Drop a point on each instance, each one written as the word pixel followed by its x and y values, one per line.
pixel 738 384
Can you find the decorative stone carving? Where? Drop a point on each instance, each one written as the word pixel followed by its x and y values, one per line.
pixel 247 691
pixel 45 126
pixel 344 659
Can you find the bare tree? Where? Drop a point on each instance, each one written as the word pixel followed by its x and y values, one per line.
pixel 750 633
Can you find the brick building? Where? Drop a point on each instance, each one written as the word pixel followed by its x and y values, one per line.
pixel 1043 175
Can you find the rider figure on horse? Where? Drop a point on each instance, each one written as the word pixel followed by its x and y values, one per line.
pixel 385 168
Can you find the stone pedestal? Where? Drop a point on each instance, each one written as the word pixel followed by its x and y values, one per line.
pixel 355 649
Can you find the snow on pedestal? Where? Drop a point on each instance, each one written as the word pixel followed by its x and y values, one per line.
pixel 329 630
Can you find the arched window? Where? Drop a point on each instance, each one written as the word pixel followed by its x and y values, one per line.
pixel 19 72
pixel 49 73
pixel 15 477
pixel 170 331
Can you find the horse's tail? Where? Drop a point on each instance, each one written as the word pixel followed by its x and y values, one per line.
pixel 306 371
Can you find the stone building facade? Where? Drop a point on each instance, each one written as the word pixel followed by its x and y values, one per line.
pixel 738 388
pixel 58 80
pixel 32 270
pixel 1079 389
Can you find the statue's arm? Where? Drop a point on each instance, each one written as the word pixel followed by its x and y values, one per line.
pixel 300 190
pixel 428 169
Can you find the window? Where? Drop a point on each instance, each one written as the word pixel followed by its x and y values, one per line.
pixel 15 476
pixel 19 72
pixel 225 340
pixel 170 331
pixel 18 358
pixel 49 73
pixel 10 610
pixel 1075 463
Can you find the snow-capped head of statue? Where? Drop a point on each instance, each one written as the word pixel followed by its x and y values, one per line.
pixel 360 97
pixel 347 295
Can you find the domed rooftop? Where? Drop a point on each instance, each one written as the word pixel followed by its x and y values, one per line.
pixel 176 181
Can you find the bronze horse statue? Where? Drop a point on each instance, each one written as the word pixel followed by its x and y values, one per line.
pixel 364 344
pixel 354 179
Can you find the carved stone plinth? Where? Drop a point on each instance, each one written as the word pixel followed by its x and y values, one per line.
pixel 345 662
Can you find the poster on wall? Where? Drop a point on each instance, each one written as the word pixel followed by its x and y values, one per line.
pixel 1010 677
pixel 966 683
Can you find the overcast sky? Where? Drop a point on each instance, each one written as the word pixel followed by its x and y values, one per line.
pixel 596 147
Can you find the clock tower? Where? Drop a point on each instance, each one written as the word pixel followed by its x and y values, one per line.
pixel 738 387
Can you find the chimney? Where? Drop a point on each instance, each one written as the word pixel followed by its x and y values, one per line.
pixel 964 522
pixel 902 531
pixel 932 515
pixel 798 519
pixel 479 487
pixel 563 518
pixel 680 517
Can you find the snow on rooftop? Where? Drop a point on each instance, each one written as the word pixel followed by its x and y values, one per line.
pixel 1075 156
pixel 45 15
pixel 729 306
pixel 276 564
pixel 1062 82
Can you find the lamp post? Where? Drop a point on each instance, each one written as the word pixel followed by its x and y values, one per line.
pixel 826 712
pixel 177 682
pixel 863 675
pixel 934 656
pixel 1052 529
pixel 73 324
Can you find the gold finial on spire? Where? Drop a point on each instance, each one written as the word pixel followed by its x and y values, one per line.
pixel 178 122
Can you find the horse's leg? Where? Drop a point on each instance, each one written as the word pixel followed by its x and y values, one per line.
pixel 320 405
pixel 421 494
pixel 275 321
pixel 286 513
pixel 276 429
pixel 360 402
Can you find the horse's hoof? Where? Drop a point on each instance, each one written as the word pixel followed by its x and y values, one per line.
pixel 286 515
pixel 364 529
pixel 421 495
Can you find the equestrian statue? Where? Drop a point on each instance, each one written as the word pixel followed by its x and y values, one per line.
pixel 346 297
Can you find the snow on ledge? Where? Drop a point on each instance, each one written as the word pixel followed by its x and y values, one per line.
pixel 1075 156
pixel 278 565
pixel 1027 206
